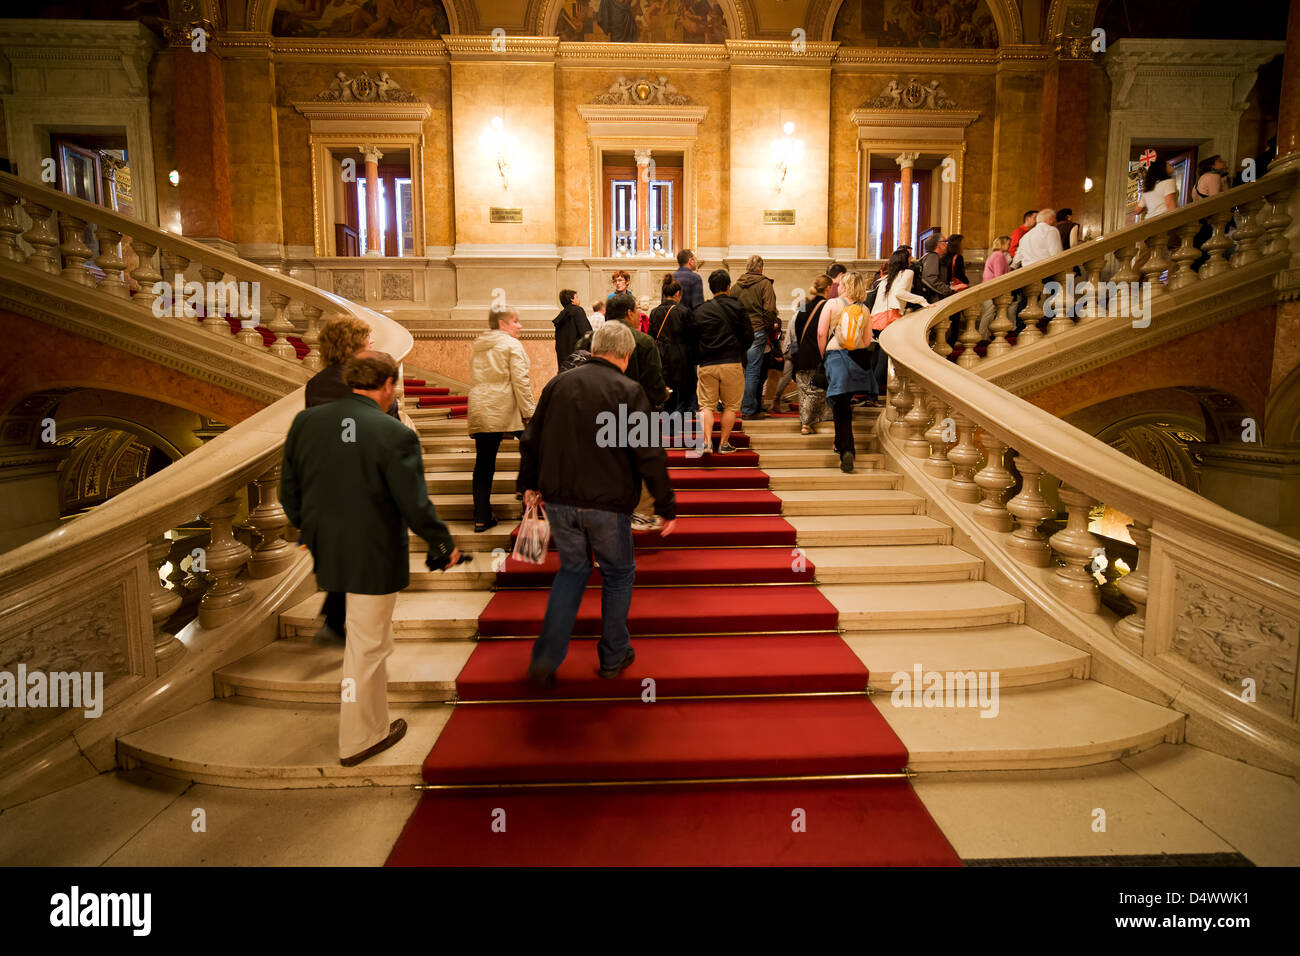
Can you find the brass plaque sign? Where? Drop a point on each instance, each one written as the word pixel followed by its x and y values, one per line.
pixel 505 214
pixel 778 217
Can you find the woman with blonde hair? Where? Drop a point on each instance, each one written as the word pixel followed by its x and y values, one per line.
pixel 844 338
pixel 500 402
pixel 998 264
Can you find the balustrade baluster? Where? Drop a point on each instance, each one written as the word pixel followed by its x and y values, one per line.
pixel 1094 267
pixel 1031 315
pixel 311 338
pixel 163 604
pixel 74 250
pixel 996 483
pixel 1127 271
pixel 216 300
pixel 174 266
pixel 1157 264
pixel 1075 545
pixel 42 238
pixel 1247 234
pixel 144 273
pixel 1061 307
pixel 272 554
pixel 938 464
pixel 941 346
pixel 1216 246
pixel 111 263
pixel 1184 256
pixel 1001 325
pixel 902 403
pixel 226 556
pixel 1134 586
pixel 892 387
pixel 10 229
pixel 918 420
pixel 1275 222
pixel 1028 543
pixel 965 458
pixel 281 326
pixel 970 337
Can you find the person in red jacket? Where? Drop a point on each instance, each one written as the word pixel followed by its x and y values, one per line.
pixel 1030 220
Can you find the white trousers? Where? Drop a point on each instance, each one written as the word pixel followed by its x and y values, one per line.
pixel 363 711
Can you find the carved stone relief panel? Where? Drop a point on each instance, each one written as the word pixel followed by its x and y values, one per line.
pixel 396 285
pixel 90 636
pixel 351 284
pixel 1233 637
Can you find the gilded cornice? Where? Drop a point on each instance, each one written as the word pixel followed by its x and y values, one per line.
pixel 508 48
pixel 628 54
pixel 259 45
pixel 329 110
pixel 598 112
pixel 785 52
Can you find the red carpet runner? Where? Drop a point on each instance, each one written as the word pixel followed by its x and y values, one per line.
pixel 750 681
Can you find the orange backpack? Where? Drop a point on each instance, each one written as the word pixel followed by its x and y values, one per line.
pixel 854 329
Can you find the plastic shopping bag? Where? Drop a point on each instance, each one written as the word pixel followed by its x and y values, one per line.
pixel 534 535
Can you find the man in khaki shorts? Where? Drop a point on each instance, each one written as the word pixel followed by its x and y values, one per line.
pixel 722 327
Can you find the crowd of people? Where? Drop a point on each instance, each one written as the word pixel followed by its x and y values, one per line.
pixel 353 478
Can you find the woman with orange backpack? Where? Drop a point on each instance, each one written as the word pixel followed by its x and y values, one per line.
pixel 844 338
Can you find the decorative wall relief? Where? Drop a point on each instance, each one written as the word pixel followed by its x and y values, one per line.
pixel 365 89
pixel 642 92
pixel 1232 637
pixel 912 95
pixel 396 285
pixel 88 637
pixel 351 284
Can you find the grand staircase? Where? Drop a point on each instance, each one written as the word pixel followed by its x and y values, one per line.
pixel 904 595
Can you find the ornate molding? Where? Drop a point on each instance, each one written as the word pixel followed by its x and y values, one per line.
pixel 642 92
pixel 387 50
pixel 810 53
pixel 509 48
pixel 354 113
pixel 648 54
pixel 687 117
pixel 911 95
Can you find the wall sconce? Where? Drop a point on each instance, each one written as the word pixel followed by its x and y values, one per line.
pixel 499 146
pixel 174 177
pixel 1087 184
pixel 785 151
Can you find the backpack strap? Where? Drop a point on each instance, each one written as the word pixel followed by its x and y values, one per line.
pixel 808 323
pixel 664 321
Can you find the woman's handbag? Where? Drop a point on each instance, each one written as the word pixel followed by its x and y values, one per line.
pixel 534 536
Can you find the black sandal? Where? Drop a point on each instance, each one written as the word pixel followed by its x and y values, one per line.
pixel 480 528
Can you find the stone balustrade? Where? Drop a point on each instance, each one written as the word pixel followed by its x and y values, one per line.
pixel 1209 590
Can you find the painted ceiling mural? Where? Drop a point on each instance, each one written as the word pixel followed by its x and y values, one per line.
pixel 916 23
pixel 642 21
pixel 412 19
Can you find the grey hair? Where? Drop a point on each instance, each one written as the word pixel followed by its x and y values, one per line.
pixel 613 338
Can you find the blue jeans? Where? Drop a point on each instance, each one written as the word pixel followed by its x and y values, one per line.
pixel 577 532
pixel 754 369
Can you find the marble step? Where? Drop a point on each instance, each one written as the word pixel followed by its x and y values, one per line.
pixel 508 459
pixel 298 670
pixel 893 563
pixel 863 418
pixel 922 605
pixel 241 742
pixel 869 529
pixel 1065 723
pixel 820 439
pixel 846 502
pixel 418 616
pixel 1018 653
pixel 781 480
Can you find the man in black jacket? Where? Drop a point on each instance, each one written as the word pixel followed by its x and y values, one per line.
pixel 353 481
pixel 570 325
pixel 589 476
pixel 723 331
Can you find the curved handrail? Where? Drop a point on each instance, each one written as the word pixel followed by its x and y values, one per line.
pixel 209 474
pixel 1070 454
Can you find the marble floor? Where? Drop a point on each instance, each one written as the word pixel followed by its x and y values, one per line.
pixel 1171 799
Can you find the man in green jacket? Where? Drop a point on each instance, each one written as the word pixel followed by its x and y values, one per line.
pixel 353 481
pixel 754 291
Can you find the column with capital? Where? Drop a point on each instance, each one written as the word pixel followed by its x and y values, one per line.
pixel 905 162
pixel 374 237
pixel 643 200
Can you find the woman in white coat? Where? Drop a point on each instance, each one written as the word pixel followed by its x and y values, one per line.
pixel 893 293
pixel 500 402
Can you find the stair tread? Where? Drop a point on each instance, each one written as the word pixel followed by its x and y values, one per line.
pixel 298 664
pixel 1063 723
pixel 885 556
pixel 282 744
pixel 929 598
pixel 1000 647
